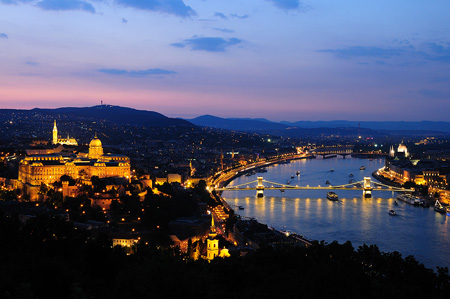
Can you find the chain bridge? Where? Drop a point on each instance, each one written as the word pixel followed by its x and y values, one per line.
pixel 366 186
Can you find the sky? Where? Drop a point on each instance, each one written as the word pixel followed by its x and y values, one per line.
pixel 283 60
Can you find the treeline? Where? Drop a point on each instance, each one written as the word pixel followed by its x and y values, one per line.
pixel 47 258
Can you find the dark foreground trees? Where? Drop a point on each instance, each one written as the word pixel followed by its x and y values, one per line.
pixel 48 258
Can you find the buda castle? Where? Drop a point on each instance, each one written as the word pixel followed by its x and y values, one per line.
pixel 48 168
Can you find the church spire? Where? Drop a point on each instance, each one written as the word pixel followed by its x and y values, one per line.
pixel 213 232
pixel 55 133
pixel 212 244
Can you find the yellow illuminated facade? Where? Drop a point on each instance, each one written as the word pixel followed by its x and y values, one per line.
pixel 65 141
pixel 212 244
pixel 37 169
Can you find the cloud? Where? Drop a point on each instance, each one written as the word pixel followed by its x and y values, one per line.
pixel 221 15
pixel 63 5
pixel 124 20
pixel 286 4
pixel 233 15
pixel 15 2
pixel 224 30
pixel 32 63
pixel 210 44
pixel 138 73
pixel 175 7
pixel 429 52
pixel 3 35
pixel 360 51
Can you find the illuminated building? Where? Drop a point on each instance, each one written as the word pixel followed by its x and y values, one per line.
pixel 35 170
pixel 65 141
pixel 212 244
pixel 401 150
pixel 124 242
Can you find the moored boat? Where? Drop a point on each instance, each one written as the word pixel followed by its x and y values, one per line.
pixel 439 208
pixel 332 196
pixel 409 199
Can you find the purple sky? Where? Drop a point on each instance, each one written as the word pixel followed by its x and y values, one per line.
pixel 278 59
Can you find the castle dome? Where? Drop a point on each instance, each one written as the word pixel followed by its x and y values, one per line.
pixel 95 148
pixel 95 142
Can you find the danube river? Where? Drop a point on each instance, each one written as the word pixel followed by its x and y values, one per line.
pixel 416 231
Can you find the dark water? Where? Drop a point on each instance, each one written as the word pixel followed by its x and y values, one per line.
pixel 417 231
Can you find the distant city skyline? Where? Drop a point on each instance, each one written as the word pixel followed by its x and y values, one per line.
pixel 283 60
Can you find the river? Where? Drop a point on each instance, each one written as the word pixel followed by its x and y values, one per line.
pixel 416 231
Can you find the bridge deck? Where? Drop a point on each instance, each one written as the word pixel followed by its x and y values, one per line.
pixel 313 188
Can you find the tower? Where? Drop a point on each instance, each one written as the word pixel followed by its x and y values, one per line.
pixel 55 133
pixel 212 244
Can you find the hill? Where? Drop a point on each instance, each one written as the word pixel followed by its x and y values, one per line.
pixel 316 128
pixel 117 114
pixel 439 126
pixel 237 124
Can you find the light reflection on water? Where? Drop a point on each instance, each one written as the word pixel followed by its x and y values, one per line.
pixel 415 231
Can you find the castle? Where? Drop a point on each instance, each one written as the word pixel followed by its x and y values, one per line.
pixel 35 170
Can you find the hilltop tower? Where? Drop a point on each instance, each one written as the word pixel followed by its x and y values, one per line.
pixel 212 243
pixel 55 133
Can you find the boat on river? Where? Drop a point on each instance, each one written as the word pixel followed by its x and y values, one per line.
pixel 439 208
pixel 298 172
pixel 362 168
pixel 392 213
pixel 409 199
pixel 332 196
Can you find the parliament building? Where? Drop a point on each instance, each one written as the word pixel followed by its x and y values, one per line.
pixel 48 168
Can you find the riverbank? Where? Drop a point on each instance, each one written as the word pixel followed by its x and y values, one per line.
pixel 429 199
pixel 224 179
pixel 383 180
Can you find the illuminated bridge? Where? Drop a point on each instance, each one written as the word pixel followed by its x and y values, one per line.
pixel 366 186
pixel 333 150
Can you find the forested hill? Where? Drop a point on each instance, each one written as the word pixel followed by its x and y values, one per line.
pixel 117 114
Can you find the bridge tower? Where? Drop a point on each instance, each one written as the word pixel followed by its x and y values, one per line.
pixel 260 187
pixel 367 192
